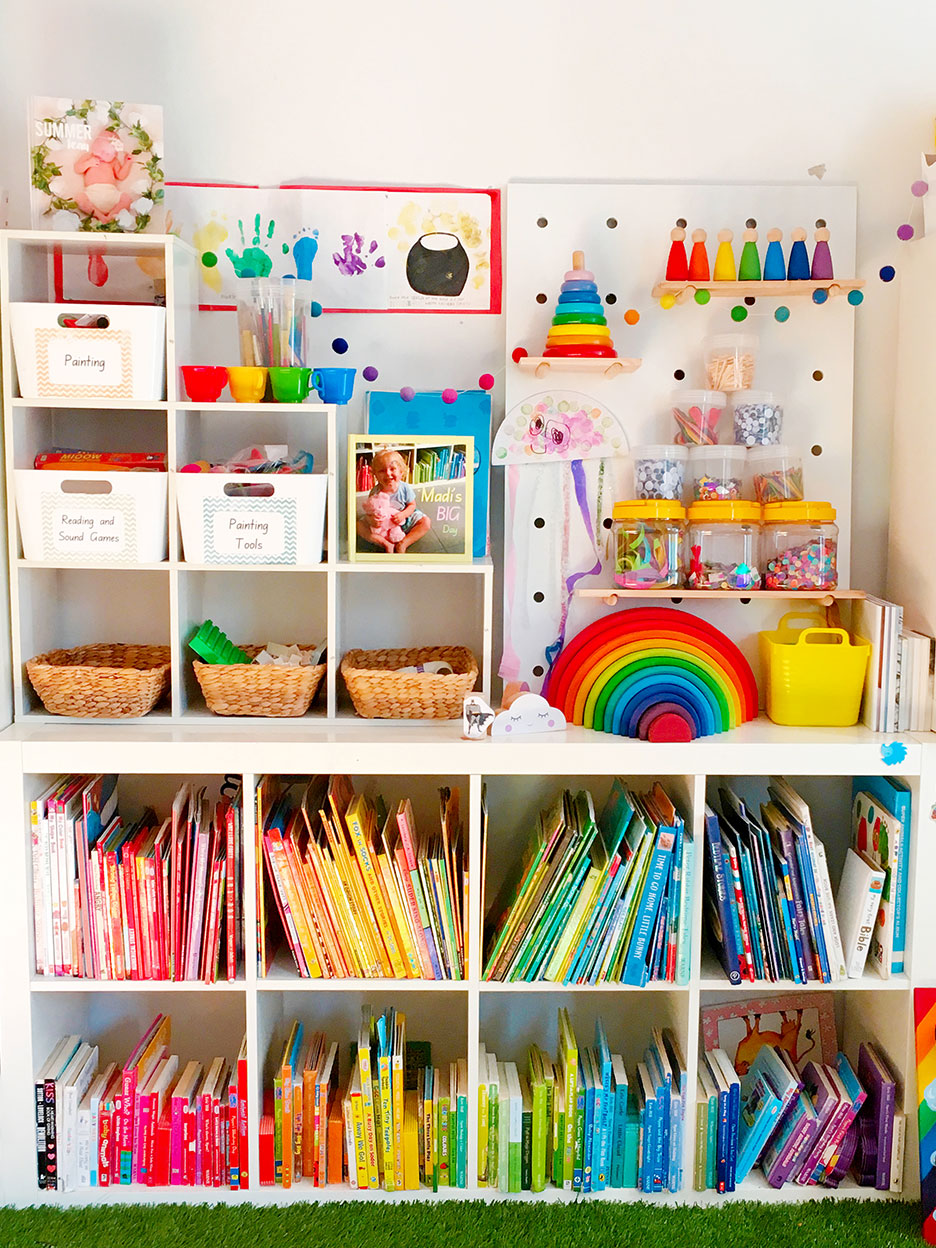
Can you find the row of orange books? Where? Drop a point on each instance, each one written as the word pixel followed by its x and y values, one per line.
pixel 152 1121
pixel 135 897
pixel 358 891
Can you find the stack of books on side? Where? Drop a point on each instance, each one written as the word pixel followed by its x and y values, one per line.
pixel 359 892
pixel 392 1120
pixel 142 898
pixel 769 900
pixel 594 901
pixel 153 1121
pixel 804 1125
pixel 579 1122
pixel 899 687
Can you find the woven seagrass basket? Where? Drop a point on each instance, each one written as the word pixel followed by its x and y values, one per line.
pixel 380 691
pixel 254 689
pixel 104 681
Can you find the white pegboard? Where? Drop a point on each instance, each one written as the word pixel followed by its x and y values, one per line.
pixel 628 258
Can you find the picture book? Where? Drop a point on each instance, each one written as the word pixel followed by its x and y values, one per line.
pixel 800 1024
pixel 893 794
pixel 857 903
pixel 96 165
pixel 412 497
pixel 877 835
pixel 426 414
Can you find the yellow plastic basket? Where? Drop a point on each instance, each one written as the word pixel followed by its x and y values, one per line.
pixel 815 675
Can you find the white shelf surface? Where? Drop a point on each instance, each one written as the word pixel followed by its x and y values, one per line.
pixel 67 983
pixel 96 405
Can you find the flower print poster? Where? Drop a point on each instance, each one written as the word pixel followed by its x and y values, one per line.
pixel 96 165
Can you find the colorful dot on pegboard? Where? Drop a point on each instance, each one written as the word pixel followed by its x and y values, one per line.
pixel 209 259
pixel 739 313
pixel 486 381
pixel 919 188
pixel 905 232
pixel 631 316
pixel 820 296
pixel 702 296
pixel 449 395
pixel 339 346
pixel 370 373
pixel 667 301
pixel 855 297
pixel 782 314
pixel 407 394
pixel 316 308
pixel 887 273
pixel 518 354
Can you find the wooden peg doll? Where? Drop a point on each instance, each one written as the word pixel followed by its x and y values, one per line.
pixel 749 269
pixel 822 257
pixel 798 263
pixel 698 260
pixel 774 264
pixel 677 266
pixel 724 258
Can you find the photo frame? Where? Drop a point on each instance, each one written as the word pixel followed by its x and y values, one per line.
pixel 410 498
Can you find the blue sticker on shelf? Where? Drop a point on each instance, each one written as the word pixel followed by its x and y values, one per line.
pixel 893 752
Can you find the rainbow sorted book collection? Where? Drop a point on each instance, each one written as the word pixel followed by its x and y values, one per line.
pixel 152 1121
pixel 778 1094
pixel 594 901
pixel 117 897
pixel 358 891
pixel 391 1120
pixel 583 1123
pixel 772 912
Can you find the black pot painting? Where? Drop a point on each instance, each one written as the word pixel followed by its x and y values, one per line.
pixel 437 264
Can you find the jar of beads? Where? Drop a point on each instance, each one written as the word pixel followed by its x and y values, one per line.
pixel 777 472
pixel 758 417
pixel 649 535
pixel 800 546
pixel 659 471
pixel 724 545
pixel 697 413
pixel 717 472
pixel 729 361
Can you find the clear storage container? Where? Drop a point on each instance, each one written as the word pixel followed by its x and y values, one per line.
pixel 697 413
pixel 659 471
pixel 729 361
pixel 758 418
pixel 800 546
pixel 649 537
pixel 716 473
pixel 777 472
pixel 724 545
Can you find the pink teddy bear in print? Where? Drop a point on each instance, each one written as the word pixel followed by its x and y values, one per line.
pixel 378 508
pixel 104 168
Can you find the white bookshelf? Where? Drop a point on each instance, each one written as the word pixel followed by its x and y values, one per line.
pixel 152 759
pixel 62 603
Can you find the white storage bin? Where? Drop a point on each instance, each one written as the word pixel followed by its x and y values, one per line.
pixel 221 523
pixel 120 354
pixel 115 517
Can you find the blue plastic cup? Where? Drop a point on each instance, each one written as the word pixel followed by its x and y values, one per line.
pixel 334 385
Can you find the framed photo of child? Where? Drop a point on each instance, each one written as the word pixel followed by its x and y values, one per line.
pixel 410 497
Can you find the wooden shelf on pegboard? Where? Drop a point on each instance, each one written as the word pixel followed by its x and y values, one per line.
pixel 542 365
pixel 611 594
pixel 683 291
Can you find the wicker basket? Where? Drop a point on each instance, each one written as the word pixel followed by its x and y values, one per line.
pixel 258 689
pixel 106 681
pixel 380 691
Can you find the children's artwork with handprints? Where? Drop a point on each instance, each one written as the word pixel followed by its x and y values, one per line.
pixel 436 250
pixel 355 257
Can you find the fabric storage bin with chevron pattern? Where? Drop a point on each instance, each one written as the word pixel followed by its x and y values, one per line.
pixel 252 518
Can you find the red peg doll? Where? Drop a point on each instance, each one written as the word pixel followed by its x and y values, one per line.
pixel 677 266
pixel 698 260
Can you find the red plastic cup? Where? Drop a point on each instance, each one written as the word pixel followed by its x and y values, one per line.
pixel 204 382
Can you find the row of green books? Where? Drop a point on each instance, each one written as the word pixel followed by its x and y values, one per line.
pixel 598 900
pixel 579 1122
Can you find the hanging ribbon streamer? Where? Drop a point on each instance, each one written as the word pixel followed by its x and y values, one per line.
pixel 510 660
pixel 570 581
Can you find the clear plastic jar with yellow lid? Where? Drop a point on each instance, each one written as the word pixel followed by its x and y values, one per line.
pixel 800 545
pixel 724 545
pixel 649 535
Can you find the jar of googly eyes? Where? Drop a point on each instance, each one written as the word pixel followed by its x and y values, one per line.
pixel 659 471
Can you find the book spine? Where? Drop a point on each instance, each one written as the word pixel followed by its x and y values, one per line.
pixel 104 1145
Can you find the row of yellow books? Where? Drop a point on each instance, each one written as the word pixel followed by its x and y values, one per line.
pixel 358 890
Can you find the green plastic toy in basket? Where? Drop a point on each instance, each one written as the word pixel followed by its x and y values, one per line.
pixel 815 675
pixel 213 646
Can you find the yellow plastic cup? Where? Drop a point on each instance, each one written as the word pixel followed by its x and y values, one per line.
pixel 247 383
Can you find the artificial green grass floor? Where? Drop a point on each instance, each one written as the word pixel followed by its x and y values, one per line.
pixel 820 1224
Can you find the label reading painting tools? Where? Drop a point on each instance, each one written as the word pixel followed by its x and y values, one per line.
pixel 250 531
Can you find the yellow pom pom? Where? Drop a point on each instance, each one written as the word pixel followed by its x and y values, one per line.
pixel 667 301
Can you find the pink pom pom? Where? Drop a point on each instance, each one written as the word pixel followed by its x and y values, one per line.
pixel 486 381
pixel 407 394
pixel 449 395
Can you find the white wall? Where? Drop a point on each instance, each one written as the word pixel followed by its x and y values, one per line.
pixel 660 90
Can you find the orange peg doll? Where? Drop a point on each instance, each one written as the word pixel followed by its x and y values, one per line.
pixel 698 260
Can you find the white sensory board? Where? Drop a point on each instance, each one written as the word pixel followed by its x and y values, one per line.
pixel 628 259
